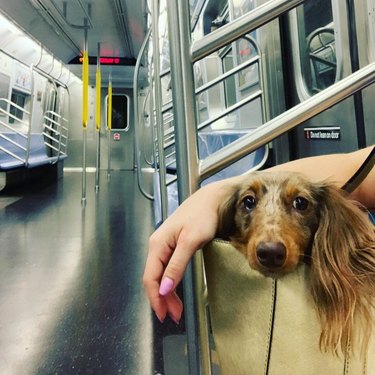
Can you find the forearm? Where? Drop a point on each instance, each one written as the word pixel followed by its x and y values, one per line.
pixel 337 168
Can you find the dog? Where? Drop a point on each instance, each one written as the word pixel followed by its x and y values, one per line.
pixel 278 220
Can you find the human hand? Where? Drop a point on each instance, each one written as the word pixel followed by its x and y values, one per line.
pixel 173 244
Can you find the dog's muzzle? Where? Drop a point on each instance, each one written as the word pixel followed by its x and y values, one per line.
pixel 271 255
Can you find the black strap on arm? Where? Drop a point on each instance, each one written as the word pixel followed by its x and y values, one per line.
pixel 361 173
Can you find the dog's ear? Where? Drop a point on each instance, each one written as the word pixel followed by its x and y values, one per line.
pixel 343 269
pixel 227 210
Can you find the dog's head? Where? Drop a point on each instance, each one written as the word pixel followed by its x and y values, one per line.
pixel 272 219
pixel 278 219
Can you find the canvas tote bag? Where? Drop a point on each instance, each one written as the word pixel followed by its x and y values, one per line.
pixel 262 326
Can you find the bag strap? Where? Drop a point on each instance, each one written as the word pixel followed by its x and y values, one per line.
pixel 361 173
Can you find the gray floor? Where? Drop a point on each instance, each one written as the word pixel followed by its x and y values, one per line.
pixel 71 296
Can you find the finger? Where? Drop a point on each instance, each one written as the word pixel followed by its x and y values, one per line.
pixel 174 271
pixel 174 306
pixel 158 255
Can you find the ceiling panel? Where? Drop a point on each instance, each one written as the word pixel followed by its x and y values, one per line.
pixel 118 25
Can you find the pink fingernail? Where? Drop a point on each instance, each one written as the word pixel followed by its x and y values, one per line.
pixel 161 318
pixel 177 321
pixel 166 286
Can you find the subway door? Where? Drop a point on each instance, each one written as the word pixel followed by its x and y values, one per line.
pixel 365 23
pixel 120 139
pixel 318 54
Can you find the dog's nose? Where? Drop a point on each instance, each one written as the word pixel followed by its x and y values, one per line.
pixel 271 254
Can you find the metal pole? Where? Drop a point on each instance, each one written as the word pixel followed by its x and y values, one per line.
pixel 241 26
pixel 288 120
pixel 109 124
pixel 158 105
pixel 98 119
pixel 184 108
pixel 137 118
pixel 85 73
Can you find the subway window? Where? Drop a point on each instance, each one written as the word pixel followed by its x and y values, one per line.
pixel 120 112
pixel 317 45
pixel 19 99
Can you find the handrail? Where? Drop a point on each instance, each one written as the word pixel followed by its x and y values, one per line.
pixel 192 171
pixel 158 106
pixel 53 118
pixel 288 120
pixel 240 27
pixel 228 74
pixel 137 120
pixel 231 109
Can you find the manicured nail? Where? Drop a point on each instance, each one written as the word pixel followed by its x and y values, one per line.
pixel 166 286
pixel 177 321
pixel 161 318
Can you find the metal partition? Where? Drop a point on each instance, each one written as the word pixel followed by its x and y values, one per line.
pixel 191 170
pixel 18 142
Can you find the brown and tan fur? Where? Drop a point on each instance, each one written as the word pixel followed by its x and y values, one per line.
pixel 315 222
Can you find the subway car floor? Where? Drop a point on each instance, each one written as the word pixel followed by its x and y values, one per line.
pixel 71 294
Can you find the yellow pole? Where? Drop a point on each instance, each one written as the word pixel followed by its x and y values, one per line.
pixel 85 118
pixel 97 118
pixel 98 98
pixel 85 97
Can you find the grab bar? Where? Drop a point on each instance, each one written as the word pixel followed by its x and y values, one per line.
pixel 137 117
pixel 241 26
pixel 287 120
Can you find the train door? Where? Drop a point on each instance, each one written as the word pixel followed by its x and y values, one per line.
pixel 326 43
pixel 121 136
pixel 365 23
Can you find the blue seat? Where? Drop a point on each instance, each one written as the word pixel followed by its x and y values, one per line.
pixel 37 155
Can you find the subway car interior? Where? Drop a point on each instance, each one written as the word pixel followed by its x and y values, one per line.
pixel 112 112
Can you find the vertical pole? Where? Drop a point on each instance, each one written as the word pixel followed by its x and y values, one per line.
pixel 158 104
pixel 85 112
pixel 98 120
pixel 184 108
pixel 109 123
pixel 137 119
pixel 355 64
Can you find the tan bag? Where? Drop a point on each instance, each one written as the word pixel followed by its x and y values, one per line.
pixel 263 326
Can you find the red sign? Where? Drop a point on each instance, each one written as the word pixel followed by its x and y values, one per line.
pixel 116 136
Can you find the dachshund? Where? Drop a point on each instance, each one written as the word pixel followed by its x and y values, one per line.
pixel 277 220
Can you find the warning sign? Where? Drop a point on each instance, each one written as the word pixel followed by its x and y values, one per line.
pixel 327 133
pixel 116 136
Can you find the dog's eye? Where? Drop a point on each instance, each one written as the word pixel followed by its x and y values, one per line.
pixel 300 203
pixel 249 202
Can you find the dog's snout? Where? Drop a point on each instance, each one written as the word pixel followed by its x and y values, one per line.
pixel 271 254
